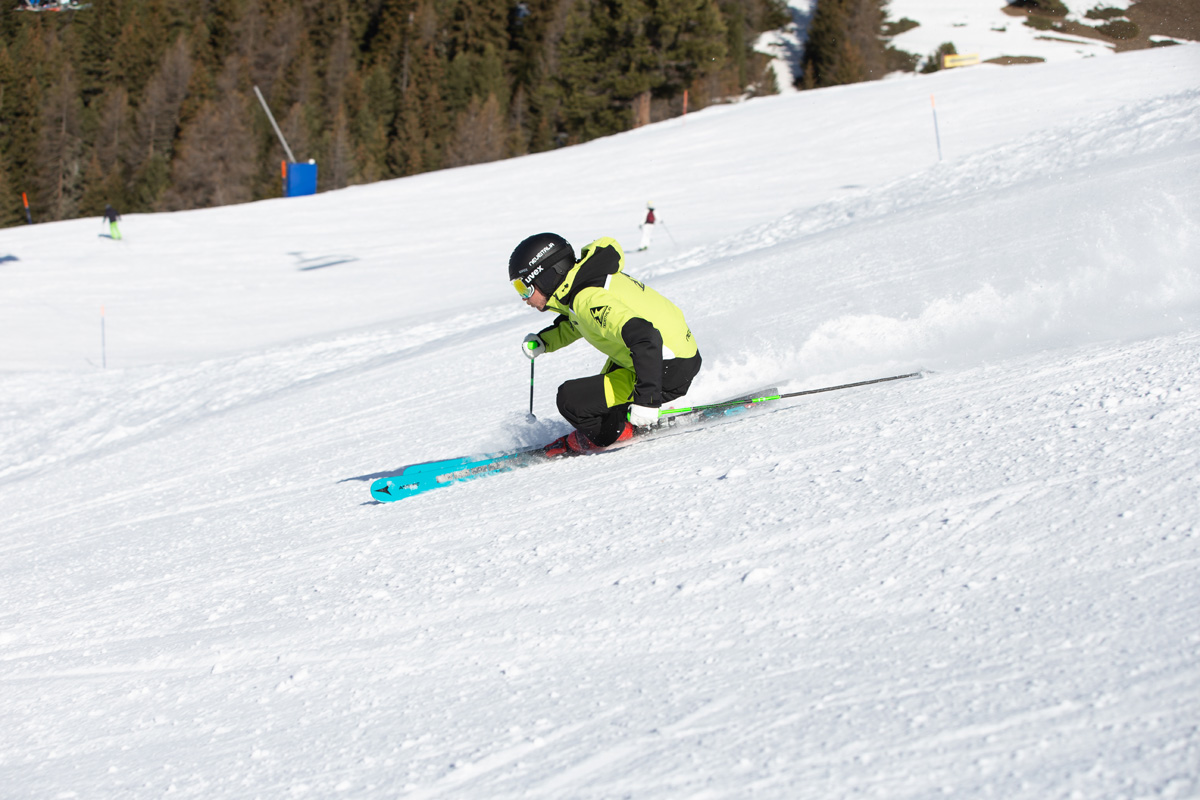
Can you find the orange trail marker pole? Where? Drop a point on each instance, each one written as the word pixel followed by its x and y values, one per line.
pixel 28 216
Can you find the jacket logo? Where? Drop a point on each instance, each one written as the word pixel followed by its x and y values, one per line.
pixel 600 314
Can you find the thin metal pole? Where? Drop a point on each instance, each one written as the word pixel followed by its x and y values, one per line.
pixel 936 133
pixel 532 418
pixel 668 230
pixel 279 133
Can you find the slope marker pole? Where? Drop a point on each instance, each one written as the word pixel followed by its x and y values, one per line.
pixel 936 133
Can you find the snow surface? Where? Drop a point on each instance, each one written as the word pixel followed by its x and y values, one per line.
pixel 983 583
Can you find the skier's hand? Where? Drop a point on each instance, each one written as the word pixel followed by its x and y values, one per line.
pixel 533 346
pixel 642 416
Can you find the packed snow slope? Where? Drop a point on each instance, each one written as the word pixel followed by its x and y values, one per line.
pixel 982 583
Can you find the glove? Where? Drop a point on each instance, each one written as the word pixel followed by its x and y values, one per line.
pixel 533 346
pixel 642 416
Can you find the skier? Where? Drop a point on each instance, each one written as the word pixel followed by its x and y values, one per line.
pixel 111 216
pixel 652 356
pixel 647 228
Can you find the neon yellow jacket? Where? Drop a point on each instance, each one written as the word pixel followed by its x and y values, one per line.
pixel 635 326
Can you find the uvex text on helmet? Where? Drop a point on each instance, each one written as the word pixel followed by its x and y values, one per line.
pixel 541 261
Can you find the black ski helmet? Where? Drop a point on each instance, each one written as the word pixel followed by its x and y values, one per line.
pixel 541 261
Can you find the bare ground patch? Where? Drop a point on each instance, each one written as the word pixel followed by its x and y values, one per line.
pixel 1177 19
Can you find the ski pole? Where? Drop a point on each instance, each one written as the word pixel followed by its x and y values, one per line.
pixel 531 418
pixel 668 411
pixel 668 230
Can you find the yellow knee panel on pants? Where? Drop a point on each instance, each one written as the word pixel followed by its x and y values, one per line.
pixel 618 387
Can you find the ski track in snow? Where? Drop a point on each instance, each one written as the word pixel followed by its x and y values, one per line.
pixel 979 583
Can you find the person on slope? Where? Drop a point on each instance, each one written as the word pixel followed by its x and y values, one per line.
pixel 652 356
pixel 647 228
pixel 111 216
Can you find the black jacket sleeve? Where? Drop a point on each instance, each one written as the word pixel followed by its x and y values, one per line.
pixel 645 349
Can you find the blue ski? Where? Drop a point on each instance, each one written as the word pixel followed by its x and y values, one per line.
pixel 420 478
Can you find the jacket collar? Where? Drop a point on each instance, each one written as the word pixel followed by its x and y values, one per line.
pixel 601 259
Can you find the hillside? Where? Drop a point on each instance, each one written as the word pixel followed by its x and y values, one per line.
pixel 980 583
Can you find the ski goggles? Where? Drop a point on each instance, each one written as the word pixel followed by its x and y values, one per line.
pixel 525 290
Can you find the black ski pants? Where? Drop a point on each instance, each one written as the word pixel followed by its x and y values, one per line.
pixel 583 402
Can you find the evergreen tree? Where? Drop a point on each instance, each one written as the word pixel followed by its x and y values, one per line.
pixel 687 38
pixel 614 50
pixel 536 28
pixel 98 38
pixel 736 40
pixel 112 130
pixel 339 164
pixel 100 189
pixel 138 51
pixel 216 153
pixel 479 134
pixel 475 75
pixel 844 44
pixel 11 209
pixel 430 124
pixel 157 125
pixel 606 63
pixel 59 165
pixel 21 122
pixel 475 25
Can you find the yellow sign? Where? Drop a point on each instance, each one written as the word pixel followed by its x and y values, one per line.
pixel 963 60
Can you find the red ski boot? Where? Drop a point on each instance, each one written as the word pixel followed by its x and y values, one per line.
pixel 580 443
pixel 558 447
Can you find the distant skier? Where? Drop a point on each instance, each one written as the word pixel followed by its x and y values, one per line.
pixel 647 228
pixel 652 356
pixel 111 216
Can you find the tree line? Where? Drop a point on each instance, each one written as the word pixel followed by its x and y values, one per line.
pixel 149 104
pixel 849 41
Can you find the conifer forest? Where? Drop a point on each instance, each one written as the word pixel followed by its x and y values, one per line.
pixel 149 105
